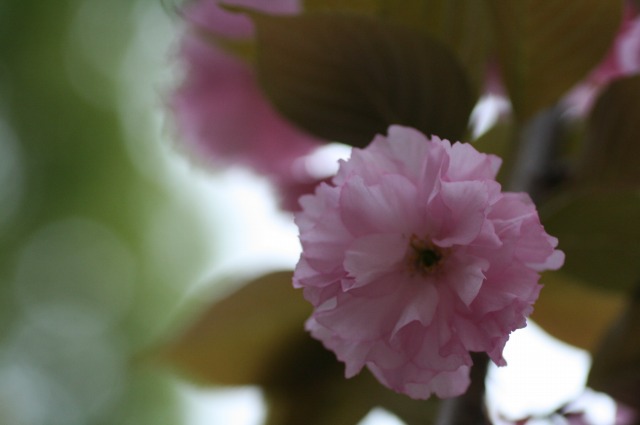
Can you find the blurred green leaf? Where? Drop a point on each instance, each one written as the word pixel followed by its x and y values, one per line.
pixel 546 46
pixel 311 389
pixel 347 78
pixel 576 313
pixel 600 235
pixel 231 343
pixel 460 24
pixel 255 336
pixel 613 137
pixel 497 141
pixel 616 365
pixel 364 7
pixel 62 91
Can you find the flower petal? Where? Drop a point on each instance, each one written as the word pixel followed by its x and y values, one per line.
pixel 463 207
pixel 373 256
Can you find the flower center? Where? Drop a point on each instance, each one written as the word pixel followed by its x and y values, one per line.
pixel 424 257
pixel 429 257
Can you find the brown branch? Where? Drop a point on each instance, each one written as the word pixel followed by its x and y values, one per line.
pixel 468 409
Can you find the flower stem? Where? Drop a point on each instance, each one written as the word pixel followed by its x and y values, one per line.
pixel 535 168
pixel 468 409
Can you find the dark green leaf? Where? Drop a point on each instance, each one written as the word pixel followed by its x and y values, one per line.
pixel 363 7
pixel 576 313
pixel 616 366
pixel 255 336
pixel 236 338
pixel 460 24
pixel 613 137
pixel 600 235
pixel 547 46
pixel 307 386
pixel 496 141
pixel 347 78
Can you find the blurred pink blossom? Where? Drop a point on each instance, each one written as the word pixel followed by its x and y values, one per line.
pixel 220 111
pixel 413 257
pixel 212 16
pixel 623 59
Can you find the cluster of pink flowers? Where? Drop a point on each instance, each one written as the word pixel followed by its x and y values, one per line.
pixel 413 258
pixel 222 114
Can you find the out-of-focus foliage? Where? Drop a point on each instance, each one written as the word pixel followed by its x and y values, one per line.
pixel 351 77
pixel 611 160
pixel 254 336
pixel 546 46
pixel 599 236
pixel 95 248
pixel 574 312
pixel 261 318
pixel 461 25
pixel 616 365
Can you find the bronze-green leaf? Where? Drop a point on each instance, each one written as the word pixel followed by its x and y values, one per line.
pixel 616 365
pixel 308 386
pixel 600 235
pixel 496 141
pixel 547 46
pixel 576 313
pixel 255 336
pixel 363 7
pixel 347 77
pixel 613 137
pixel 234 341
pixel 460 24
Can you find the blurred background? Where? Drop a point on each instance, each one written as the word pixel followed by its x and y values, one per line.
pixel 103 229
pixel 109 237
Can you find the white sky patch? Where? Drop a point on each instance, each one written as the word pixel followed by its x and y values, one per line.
pixel 487 112
pixel 237 406
pixel 542 374
pixel 380 417
pixel 323 162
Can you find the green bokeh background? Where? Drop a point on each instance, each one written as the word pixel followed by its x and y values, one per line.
pixel 100 236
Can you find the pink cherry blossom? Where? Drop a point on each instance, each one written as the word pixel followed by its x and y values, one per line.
pixel 221 113
pixel 622 59
pixel 212 15
pixel 413 258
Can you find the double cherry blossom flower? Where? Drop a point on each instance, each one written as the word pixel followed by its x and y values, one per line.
pixel 413 258
pixel 412 255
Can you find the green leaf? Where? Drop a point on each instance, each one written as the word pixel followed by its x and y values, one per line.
pixel 463 25
pixel 307 386
pixel 364 7
pixel 576 313
pixel 496 141
pixel 600 235
pixel 347 78
pixel 616 365
pixel 255 336
pixel 547 46
pixel 460 24
pixel 236 338
pixel 613 137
